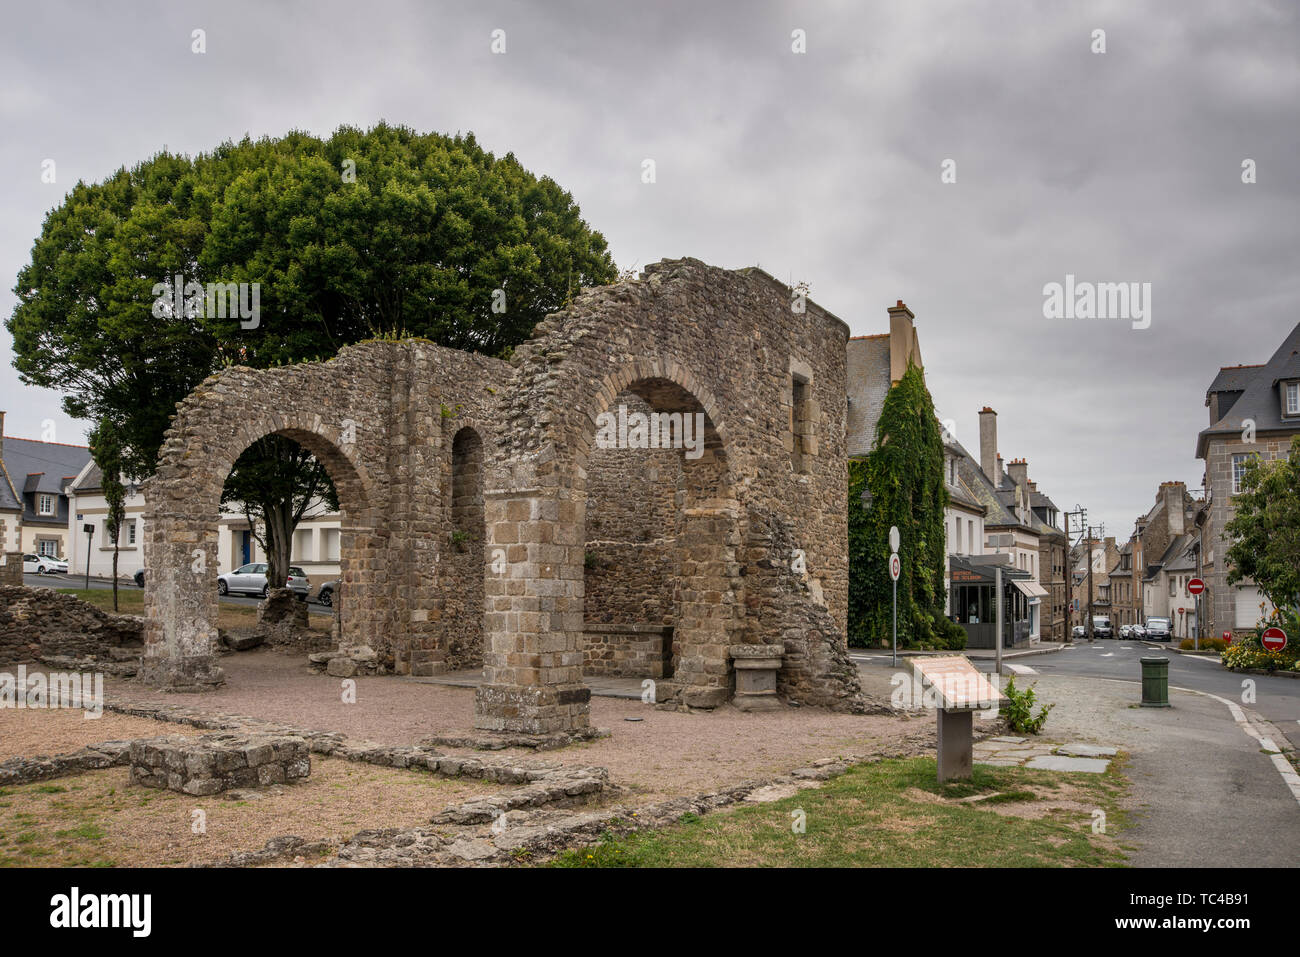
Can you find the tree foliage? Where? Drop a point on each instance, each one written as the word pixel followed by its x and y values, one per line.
pixel 366 234
pixel 1264 532
pixel 903 475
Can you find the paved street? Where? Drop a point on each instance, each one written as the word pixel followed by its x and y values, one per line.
pixel 1204 792
pixel 79 581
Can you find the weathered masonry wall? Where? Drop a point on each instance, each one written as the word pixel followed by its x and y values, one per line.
pixel 382 418
pixel 484 522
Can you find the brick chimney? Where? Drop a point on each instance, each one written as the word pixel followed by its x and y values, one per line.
pixel 989 445
pixel 1019 471
pixel 902 341
pixel 1174 495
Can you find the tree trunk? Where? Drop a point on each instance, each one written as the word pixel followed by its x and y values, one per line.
pixel 279 540
pixel 115 571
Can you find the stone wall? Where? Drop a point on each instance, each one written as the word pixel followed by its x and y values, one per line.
pixel 685 534
pixel 40 623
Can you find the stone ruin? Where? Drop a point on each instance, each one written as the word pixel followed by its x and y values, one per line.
pixel 488 523
pixel 212 763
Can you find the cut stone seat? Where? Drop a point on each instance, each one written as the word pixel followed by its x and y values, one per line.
pixel 620 650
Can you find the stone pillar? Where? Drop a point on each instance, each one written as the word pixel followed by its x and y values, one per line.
pixel 533 615
pixel 709 614
pixel 180 603
pixel 11 568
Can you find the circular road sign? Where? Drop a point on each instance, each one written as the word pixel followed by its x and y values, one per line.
pixel 1274 639
pixel 1195 587
pixel 895 566
pixel 893 538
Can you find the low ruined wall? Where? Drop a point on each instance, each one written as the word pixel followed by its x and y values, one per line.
pixel 627 651
pixel 37 623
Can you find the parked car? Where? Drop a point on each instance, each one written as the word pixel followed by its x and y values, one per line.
pixel 326 594
pixel 1101 627
pixel 1078 631
pixel 1139 631
pixel 44 565
pixel 139 577
pixel 1126 631
pixel 1158 629
pixel 250 579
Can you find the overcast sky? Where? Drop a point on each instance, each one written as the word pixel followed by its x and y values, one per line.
pixel 823 167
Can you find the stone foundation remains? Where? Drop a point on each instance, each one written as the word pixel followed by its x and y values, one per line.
pixel 212 763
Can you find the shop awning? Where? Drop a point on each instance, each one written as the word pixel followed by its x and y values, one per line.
pixel 1030 589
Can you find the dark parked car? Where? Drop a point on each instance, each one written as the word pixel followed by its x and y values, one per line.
pixel 139 577
pixel 326 594
pixel 1158 629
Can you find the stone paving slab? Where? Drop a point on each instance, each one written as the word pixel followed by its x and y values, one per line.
pixel 1087 751
pixel 1059 762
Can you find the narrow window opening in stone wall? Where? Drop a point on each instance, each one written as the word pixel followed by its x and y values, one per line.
pixel 799 426
pixel 462 615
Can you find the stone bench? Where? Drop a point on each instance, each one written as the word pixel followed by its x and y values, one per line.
pixel 212 763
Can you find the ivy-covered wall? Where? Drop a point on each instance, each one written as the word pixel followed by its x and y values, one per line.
pixel 903 474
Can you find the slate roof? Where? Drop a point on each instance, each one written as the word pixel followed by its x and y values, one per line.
pixel 996 514
pixel 9 501
pixel 42 467
pixel 1259 395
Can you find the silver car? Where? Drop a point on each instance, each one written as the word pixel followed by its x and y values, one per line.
pixel 250 579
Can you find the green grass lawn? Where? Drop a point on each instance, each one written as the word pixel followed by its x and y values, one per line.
pixel 130 601
pixel 894 814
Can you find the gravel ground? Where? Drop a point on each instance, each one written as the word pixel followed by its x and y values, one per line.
pixel 48 732
pixel 666 754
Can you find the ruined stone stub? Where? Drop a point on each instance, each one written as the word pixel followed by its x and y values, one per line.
pixel 466 485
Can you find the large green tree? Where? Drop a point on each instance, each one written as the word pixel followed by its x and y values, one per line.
pixel 383 232
pixel 1264 532
pixel 902 478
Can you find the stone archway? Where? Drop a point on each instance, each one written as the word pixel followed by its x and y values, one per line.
pixel 181 537
pixel 534 620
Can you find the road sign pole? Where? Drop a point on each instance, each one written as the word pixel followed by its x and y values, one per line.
pixel 997 588
pixel 895 623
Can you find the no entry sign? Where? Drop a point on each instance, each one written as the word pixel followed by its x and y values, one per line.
pixel 1195 586
pixel 1274 639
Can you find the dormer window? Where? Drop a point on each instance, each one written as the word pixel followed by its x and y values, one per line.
pixel 1291 398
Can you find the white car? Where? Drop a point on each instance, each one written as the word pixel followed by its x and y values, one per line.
pixel 250 579
pixel 44 565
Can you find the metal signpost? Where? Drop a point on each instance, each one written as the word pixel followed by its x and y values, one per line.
pixel 895 568
pixel 1196 588
pixel 90 534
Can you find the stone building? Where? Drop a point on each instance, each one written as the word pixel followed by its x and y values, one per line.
pixel 493 513
pixel 1254 411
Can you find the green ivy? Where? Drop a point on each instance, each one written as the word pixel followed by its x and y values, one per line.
pixel 904 474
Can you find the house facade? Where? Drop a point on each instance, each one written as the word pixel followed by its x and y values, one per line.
pixel 1254 411
pixel 33 493
pixel 316 540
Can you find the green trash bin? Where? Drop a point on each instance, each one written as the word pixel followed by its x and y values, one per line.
pixel 1155 682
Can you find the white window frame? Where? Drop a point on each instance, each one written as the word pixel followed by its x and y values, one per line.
pixel 130 531
pixel 41 499
pixel 1239 459
pixel 47 548
pixel 1292 398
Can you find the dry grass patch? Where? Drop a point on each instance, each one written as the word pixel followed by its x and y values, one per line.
pixel 97 820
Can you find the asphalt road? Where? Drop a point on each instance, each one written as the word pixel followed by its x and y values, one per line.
pixel 1276 699
pixel 79 581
